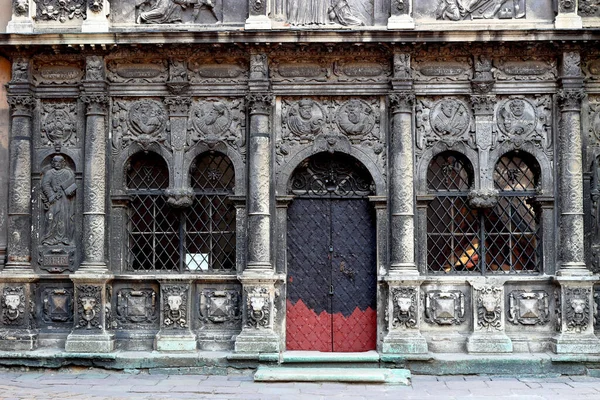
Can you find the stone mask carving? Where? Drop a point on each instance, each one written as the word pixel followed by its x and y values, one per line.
pixel 174 302
pixel 404 304
pixel 488 301
pixel 12 301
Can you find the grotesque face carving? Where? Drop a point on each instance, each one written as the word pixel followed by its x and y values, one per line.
pixel 354 109
pixel 489 302
pixel 578 305
pixel 88 303
pixel 12 301
pixel 404 304
pixel 517 107
pixel 174 302
pixel 305 110
pixel 257 303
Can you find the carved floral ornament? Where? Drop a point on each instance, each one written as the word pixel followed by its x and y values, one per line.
pixel 61 10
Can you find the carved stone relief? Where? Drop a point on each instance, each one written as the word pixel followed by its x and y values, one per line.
pixel 58 124
pixel 175 304
pixel 220 307
pixel 520 120
pixel 448 120
pixel 94 70
pixel 404 312
pixel 89 307
pixel 215 120
pixel 57 71
pixel 60 10
pixel 21 7
pixel 455 10
pixel 577 309
pixel 136 308
pixel 525 69
pixel 342 12
pixel 143 121
pixel 137 71
pixel 488 303
pixel 58 198
pixel 57 305
pixel 445 307
pixel 588 8
pixel 528 307
pixel 228 67
pixel 591 68
pixel 56 259
pixel 178 77
pixel 443 67
pixel 20 70
pixel 13 305
pixel 330 125
pixel 175 11
pixel 258 306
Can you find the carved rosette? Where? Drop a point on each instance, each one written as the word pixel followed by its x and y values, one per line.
pixel 529 307
pixel 258 307
pixel 404 307
pixel 13 306
pixel 60 10
pixel 58 124
pixel 488 303
pixel 577 309
pixel 445 307
pixel 89 307
pixel 175 306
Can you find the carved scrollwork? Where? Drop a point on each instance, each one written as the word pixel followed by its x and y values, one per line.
pixel 525 69
pixel 258 306
pixel 221 307
pixel 53 71
pixel 488 303
pixel 59 127
pixel 529 308
pixel 577 309
pixel 13 305
pixel 442 67
pixel 60 10
pixel 445 307
pixel 404 313
pixel 89 299
pixel 175 303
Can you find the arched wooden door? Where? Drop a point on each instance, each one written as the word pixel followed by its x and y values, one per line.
pixel 331 257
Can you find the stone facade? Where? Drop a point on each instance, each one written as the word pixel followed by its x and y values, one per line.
pixel 150 161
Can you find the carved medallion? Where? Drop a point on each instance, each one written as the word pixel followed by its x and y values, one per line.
pixel 258 304
pixel 57 305
pixel 136 306
pixel 13 305
pixel 356 118
pixel 517 117
pixel 143 121
pixel 404 312
pixel 174 303
pixel 218 120
pixel 304 119
pixel 522 120
pixel 445 307
pixel 488 303
pixel 450 117
pixel 58 126
pixel 529 308
pixel 89 303
pixel 220 306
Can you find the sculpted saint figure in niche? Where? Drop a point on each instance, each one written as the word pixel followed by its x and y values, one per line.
pixel 516 118
pixel 450 118
pixel 58 191
pixel 322 12
pixel 303 121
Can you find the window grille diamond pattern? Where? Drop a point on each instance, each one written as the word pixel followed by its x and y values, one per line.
pixel 200 238
pixel 502 239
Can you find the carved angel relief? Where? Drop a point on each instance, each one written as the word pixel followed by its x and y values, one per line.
pixel 144 122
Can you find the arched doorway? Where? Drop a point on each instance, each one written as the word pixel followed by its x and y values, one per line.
pixel 331 256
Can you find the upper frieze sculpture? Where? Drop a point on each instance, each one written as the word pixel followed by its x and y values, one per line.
pixel 323 12
pixel 455 10
pixel 169 11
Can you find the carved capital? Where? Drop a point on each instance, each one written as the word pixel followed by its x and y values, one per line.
pixel 96 103
pixel 21 105
pixel 259 103
pixel 402 101
pixel 178 106
pixel 483 104
pixel 570 99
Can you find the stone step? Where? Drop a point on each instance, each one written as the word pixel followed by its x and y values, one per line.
pixel 299 357
pixel 364 375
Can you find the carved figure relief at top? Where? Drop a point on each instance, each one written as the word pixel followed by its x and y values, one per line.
pixel 450 117
pixel 305 119
pixel 60 10
pixel 517 117
pixel 218 120
pixel 170 11
pixel 58 125
pixel 356 118
pixel 58 191
pixel 323 12
pixel 455 10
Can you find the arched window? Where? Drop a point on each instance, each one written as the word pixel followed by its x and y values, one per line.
pixel 153 226
pixel 512 227
pixel 453 228
pixel 210 222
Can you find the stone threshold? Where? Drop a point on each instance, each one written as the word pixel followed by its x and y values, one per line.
pixel 354 375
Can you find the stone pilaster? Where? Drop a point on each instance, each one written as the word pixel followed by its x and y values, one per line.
pixel 567 17
pixel 258 15
pixel 401 15
pixel 175 316
pixel 19 189
pixel 96 17
pixel 575 312
pixel 571 230
pixel 21 20
pixel 489 334
pixel 401 169
pixel 180 194
pixel 91 315
pixel 404 318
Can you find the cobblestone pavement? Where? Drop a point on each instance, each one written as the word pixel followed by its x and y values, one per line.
pixel 98 384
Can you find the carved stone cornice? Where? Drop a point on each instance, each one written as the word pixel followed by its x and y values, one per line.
pixel 178 106
pixel 570 99
pixel 401 101
pixel 259 102
pixel 483 104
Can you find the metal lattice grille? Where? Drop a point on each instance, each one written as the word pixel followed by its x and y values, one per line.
pixel 503 239
pixel 200 238
pixel 331 176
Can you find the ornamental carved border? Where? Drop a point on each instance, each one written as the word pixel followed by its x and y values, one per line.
pixel 142 121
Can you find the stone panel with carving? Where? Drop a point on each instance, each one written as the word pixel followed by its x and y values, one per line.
pixel 14 306
pixel 528 68
pixel 139 70
pixel 219 308
pixel 456 10
pixel 60 10
pixel 448 120
pixel 89 304
pixel 229 67
pixel 528 307
pixel 488 302
pixel 141 121
pixel 56 305
pixel 522 120
pixel 445 307
pixel 58 125
pixel 175 307
pixel 48 71
pixel 135 308
pixel 214 120
pixel 577 309
pixel 404 313
pixel 259 306
pixel 444 65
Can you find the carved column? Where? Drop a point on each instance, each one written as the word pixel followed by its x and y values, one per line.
pixel 483 106
pixel 180 194
pixel 489 334
pixel 401 15
pixel 567 17
pixel 96 16
pixel 175 316
pixel 21 21
pixel 571 235
pixel 258 15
